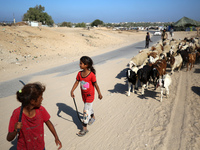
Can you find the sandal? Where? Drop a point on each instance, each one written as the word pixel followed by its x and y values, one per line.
pixel 92 120
pixel 82 133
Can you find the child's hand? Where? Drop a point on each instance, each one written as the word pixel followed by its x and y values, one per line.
pixel 100 96
pixel 18 125
pixel 72 94
pixel 58 143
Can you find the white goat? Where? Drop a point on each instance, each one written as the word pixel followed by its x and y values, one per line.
pixel 140 58
pixel 164 84
pixel 175 62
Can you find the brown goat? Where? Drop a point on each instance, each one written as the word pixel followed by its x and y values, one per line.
pixel 158 69
pixel 191 60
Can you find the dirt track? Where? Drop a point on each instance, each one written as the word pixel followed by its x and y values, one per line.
pixel 122 122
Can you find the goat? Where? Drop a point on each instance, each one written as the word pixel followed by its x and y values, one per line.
pixel 149 60
pixel 184 55
pixel 191 40
pixel 164 83
pixel 158 69
pixel 144 76
pixel 158 49
pixel 175 62
pixel 170 53
pixel 131 75
pixel 191 60
pixel 139 58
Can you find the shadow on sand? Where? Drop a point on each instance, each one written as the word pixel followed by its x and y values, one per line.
pixel 122 74
pixel 196 90
pixel 119 88
pixel 197 71
pixel 71 112
pixel 149 93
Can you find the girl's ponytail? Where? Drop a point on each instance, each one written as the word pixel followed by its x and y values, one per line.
pixel 93 70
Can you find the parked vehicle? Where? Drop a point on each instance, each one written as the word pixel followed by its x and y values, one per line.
pixel 157 33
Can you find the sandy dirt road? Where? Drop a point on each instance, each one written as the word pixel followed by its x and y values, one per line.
pixel 122 122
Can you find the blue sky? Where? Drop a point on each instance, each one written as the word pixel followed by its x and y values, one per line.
pixel 77 11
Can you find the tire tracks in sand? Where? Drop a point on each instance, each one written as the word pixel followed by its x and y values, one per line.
pixel 174 137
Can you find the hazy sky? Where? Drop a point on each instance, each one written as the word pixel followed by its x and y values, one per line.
pixel 77 11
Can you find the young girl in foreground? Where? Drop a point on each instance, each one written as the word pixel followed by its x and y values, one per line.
pixel 31 135
pixel 87 80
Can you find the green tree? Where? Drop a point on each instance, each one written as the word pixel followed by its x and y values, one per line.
pixel 37 14
pixel 96 23
pixel 83 25
pixel 66 24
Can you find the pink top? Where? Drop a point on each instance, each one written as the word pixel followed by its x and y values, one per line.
pixel 87 86
pixel 31 135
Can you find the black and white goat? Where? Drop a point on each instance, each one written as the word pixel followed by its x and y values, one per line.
pixel 164 83
pixel 144 74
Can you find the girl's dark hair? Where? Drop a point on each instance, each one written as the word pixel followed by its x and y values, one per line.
pixel 88 61
pixel 30 92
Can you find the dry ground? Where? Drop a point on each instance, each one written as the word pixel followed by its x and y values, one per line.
pixel 122 122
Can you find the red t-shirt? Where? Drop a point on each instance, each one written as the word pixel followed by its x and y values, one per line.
pixel 87 86
pixel 31 135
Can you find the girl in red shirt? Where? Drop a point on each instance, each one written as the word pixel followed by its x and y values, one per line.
pixel 87 80
pixel 31 134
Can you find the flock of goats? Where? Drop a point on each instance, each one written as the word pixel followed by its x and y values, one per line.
pixel 149 66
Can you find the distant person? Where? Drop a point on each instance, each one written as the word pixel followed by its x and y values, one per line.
pixel 147 40
pixel 31 127
pixel 164 35
pixel 171 31
pixel 88 82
